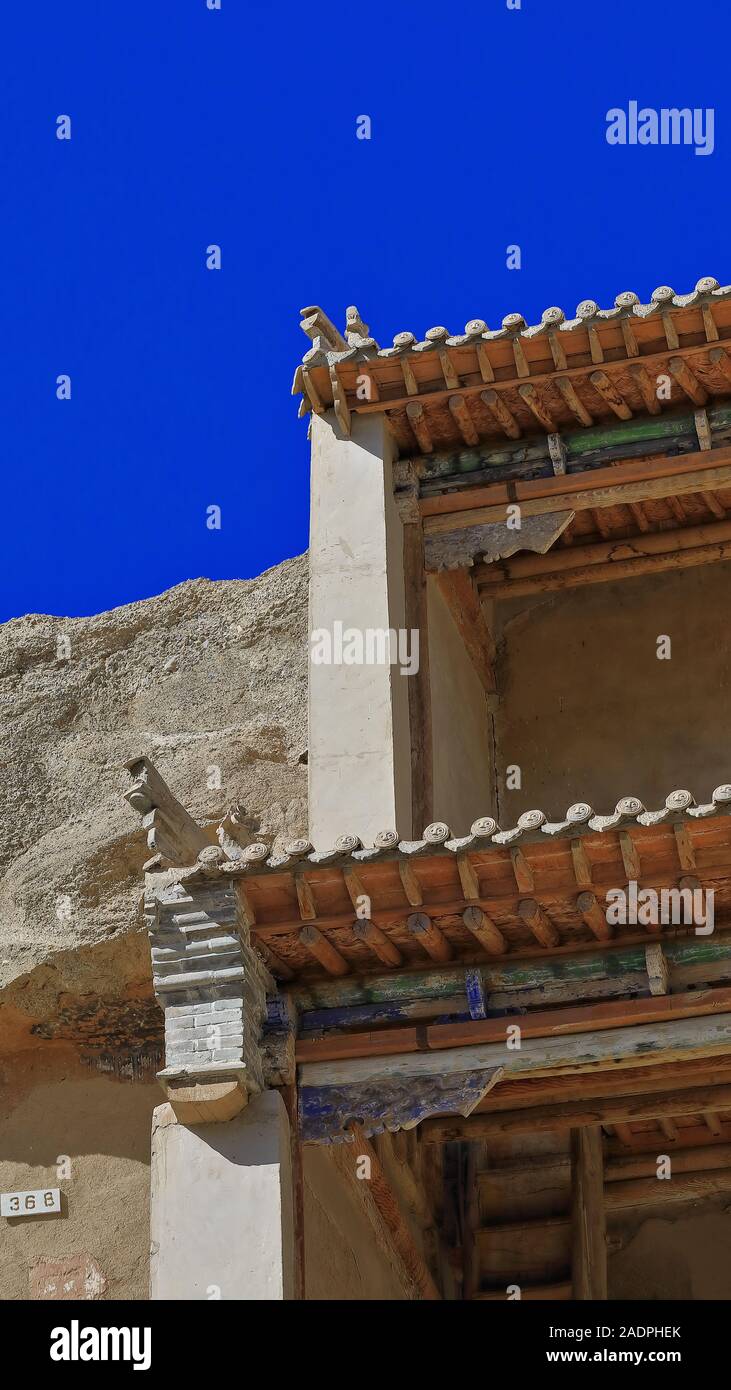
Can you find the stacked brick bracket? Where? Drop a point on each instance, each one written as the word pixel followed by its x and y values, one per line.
pixel 210 983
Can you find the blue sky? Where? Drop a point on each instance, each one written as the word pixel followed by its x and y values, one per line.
pixel 238 127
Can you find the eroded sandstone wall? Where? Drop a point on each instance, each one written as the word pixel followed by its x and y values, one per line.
pixel 209 680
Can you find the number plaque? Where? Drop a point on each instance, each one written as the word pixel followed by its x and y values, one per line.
pixel 40 1203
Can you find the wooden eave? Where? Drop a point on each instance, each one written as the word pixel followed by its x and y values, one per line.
pixel 526 881
pixel 453 390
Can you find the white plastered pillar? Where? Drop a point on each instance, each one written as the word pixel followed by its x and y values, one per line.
pixel 359 751
pixel 222 1222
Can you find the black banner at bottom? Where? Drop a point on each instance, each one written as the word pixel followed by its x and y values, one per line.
pixel 160 1338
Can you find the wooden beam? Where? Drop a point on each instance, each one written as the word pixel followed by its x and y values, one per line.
pixel 647 390
pixel 685 1160
pixel 543 929
pixel 323 951
pixel 674 557
pixel 593 915
pixel 313 395
pixel 463 419
pixel 305 897
pixel 429 936
pixel 409 881
pixel 639 516
pixel 379 1190
pixel 588 1216
pixel 484 363
pixel 655 363
pixel 484 930
pixel 576 406
pixel 648 1192
pixel 688 380
pixel 543 1292
pixel 614 1110
pixel 638 481
pixel 497 407
pixel 277 966
pixel 340 404
pixel 657 968
pixel 378 942
pixel 458 590
pixel 603 552
pixel 451 379
pixel 577 972
pixel 609 392
pixel 684 845
pixel 581 865
pixel 630 857
pixel 522 871
pixel 549 1023
pixel 417 420
pixel 719 358
pixel 467 877
pixel 533 400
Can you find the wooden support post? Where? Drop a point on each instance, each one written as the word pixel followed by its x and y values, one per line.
pixel 418 685
pixel 380 1190
pixel 588 1218
pixel 657 969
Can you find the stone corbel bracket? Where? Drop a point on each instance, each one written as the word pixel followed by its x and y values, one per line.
pixel 212 987
pixel 173 837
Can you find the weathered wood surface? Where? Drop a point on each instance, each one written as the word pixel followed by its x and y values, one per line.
pixel 419 686
pixel 539 1024
pixel 614 1047
pixel 462 599
pixel 494 541
pixel 575 1114
pixel 586 449
pixel 579 491
pixel 647 553
pixel 514 984
pixel 613 552
pixel 588 1216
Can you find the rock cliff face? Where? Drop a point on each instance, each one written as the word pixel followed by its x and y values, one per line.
pixel 210 681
